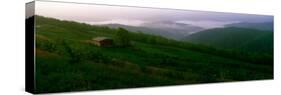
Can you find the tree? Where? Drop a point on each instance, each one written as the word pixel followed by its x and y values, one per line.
pixel 123 37
pixel 75 56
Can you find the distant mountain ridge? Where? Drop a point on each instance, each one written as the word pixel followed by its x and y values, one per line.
pixel 166 29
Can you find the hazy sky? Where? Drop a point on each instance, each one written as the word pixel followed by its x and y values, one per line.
pixel 102 14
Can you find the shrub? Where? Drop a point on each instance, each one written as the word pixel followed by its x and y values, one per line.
pixel 123 38
pixel 75 55
pixel 46 45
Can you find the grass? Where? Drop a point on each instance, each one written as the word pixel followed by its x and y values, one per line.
pixel 65 62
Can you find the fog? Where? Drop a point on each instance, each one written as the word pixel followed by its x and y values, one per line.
pixel 135 16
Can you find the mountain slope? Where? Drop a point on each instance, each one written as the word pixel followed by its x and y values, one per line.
pixel 153 31
pixel 165 29
pixel 235 38
pixel 265 26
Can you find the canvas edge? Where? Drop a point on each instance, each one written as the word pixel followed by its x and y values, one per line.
pixel 29 47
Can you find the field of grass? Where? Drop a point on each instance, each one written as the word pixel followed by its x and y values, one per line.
pixel 65 61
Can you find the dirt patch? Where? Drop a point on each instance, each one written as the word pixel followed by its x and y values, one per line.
pixel 43 53
pixel 41 37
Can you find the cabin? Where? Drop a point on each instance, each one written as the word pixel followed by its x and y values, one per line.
pixel 103 41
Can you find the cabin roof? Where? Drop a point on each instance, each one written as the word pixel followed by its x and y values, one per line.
pixel 101 38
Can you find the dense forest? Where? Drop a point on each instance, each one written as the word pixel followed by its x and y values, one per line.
pixel 66 60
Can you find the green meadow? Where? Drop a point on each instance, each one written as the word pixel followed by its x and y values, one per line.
pixel 66 61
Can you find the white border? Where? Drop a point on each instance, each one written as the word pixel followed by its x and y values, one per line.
pixel 13 46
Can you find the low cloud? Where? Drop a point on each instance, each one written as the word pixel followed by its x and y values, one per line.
pixel 207 23
pixel 119 21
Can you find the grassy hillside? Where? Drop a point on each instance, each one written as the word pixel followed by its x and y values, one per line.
pixel 65 61
pixel 243 39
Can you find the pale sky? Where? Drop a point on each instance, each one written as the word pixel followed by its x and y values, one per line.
pixel 104 14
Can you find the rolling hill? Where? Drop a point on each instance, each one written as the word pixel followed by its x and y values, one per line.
pixel 265 26
pixel 166 29
pixel 235 38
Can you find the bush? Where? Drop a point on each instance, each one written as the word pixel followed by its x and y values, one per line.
pixel 46 45
pixel 75 55
pixel 123 38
